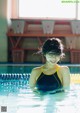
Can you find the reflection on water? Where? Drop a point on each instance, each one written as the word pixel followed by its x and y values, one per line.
pixel 20 99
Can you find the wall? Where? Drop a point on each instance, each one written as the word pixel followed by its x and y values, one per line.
pixel 3 30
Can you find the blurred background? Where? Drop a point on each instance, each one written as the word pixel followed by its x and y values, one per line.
pixel 26 24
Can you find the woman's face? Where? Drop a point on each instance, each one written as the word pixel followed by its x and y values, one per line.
pixel 53 59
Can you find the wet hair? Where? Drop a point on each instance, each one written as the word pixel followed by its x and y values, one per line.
pixel 52 46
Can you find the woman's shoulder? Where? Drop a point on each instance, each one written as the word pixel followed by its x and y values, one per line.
pixel 37 69
pixel 64 69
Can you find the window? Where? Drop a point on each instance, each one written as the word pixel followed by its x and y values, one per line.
pixel 56 9
pixel 78 11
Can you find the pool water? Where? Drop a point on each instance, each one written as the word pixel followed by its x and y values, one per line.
pixel 17 97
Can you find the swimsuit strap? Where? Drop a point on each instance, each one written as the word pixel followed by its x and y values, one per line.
pixel 42 68
pixel 58 67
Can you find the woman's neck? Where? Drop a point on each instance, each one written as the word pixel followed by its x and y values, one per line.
pixel 49 65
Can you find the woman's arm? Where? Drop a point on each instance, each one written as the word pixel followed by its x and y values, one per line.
pixel 65 77
pixel 33 77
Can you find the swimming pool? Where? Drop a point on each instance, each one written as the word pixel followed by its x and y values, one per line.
pixel 16 96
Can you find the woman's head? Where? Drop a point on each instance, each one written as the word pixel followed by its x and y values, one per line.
pixel 53 46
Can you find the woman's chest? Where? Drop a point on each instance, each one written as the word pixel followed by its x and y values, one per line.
pixel 49 71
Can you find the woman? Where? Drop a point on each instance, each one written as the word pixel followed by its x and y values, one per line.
pixel 50 77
